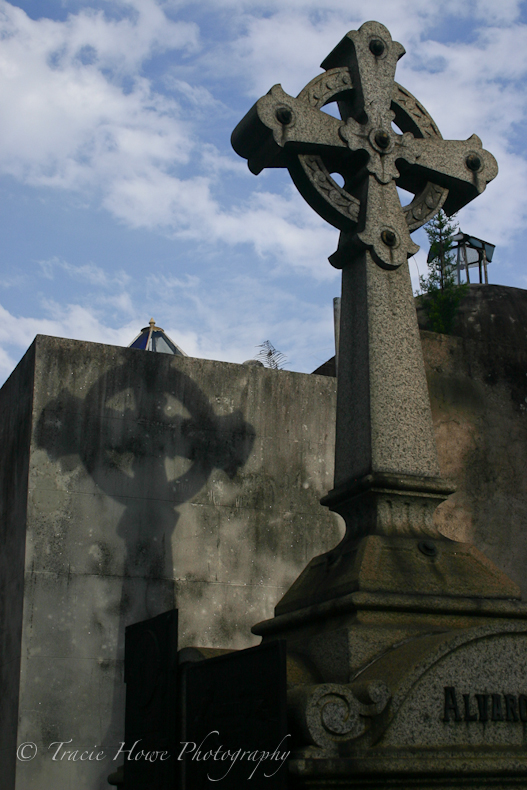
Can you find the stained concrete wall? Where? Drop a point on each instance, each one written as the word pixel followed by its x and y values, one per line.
pixel 15 435
pixel 151 482
pixel 477 380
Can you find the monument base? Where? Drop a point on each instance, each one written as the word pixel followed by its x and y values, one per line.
pixel 415 668
pixel 398 565
pixel 445 710
pixel 347 608
pixel 350 775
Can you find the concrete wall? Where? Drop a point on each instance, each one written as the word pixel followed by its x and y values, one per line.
pixel 154 482
pixel 478 394
pixel 477 379
pixel 15 434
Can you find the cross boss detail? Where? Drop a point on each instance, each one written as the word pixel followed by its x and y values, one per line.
pixel 281 131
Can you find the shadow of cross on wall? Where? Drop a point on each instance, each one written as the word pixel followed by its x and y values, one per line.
pixel 149 440
pixel 133 436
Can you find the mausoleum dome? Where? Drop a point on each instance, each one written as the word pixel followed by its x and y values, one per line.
pixel 153 338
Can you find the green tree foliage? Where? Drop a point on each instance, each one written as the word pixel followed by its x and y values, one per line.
pixel 440 292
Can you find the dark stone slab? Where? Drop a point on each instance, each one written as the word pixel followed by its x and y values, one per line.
pixel 234 727
pixel 150 720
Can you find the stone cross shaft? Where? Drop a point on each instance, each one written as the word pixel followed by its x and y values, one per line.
pixel 384 439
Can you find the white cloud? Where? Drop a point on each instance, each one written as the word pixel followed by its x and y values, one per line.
pixel 224 322
pixel 72 321
pixel 479 88
pixel 239 314
pixel 70 122
pixel 89 272
pixel 284 42
pixel 73 124
pixel 87 110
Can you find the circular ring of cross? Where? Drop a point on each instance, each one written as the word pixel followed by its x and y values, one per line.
pixel 372 157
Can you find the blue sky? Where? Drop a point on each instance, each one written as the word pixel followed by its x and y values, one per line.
pixel 122 198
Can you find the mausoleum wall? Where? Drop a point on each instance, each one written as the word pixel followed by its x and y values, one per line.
pixel 478 391
pixel 151 482
pixel 15 434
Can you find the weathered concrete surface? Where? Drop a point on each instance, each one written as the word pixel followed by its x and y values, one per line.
pixel 113 429
pixel 150 482
pixel 15 433
pixel 490 313
pixel 477 380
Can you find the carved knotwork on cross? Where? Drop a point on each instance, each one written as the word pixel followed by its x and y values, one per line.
pixel 372 158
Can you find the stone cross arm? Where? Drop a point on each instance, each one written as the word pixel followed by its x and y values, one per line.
pixel 363 146
pixel 279 122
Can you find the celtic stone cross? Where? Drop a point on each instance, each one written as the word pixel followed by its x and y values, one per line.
pixel 386 469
